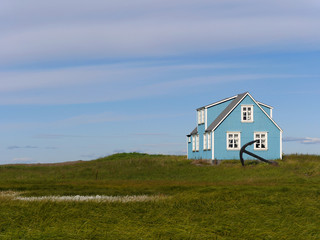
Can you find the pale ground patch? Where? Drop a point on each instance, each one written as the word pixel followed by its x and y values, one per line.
pixel 98 198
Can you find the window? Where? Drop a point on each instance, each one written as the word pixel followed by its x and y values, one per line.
pixel 197 143
pixel 193 143
pixel 262 144
pixel 189 139
pixel 209 140
pixel 205 141
pixel 233 141
pixel 201 116
pixel 247 113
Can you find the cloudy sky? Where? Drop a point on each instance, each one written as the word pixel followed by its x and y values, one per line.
pixel 84 79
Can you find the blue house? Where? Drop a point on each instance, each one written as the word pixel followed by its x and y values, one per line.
pixel 224 127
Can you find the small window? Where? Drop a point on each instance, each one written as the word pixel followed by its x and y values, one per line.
pixel 205 141
pixel 247 113
pixel 197 143
pixel 262 143
pixel 209 141
pixel 233 141
pixel 193 143
pixel 202 116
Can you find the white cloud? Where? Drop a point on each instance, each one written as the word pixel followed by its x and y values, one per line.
pixel 58 30
pixel 304 140
pixel 113 82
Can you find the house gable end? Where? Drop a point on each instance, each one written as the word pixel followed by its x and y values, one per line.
pixel 225 113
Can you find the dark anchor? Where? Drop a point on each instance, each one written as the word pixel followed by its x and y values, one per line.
pixel 243 150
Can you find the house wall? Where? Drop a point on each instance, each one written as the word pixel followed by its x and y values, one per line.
pixel 233 123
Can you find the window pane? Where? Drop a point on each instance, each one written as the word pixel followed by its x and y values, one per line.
pixel 257 135
pixel 230 135
pixel 263 136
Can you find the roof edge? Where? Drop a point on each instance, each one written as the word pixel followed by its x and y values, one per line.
pixel 265 105
pixel 216 103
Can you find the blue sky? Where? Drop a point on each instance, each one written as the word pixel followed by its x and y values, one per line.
pixel 85 79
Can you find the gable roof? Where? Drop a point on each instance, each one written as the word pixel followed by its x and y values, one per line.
pixel 231 107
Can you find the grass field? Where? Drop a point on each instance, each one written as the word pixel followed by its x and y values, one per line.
pixel 184 201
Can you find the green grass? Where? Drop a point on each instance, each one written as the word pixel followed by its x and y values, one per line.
pixel 225 201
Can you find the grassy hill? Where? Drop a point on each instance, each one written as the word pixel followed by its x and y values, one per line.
pixel 225 201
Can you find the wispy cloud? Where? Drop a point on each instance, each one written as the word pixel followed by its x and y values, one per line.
pixel 304 140
pixel 22 160
pixel 100 30
pixel 58 136
pixel 116 82
pixel 21 147
pixel 29 147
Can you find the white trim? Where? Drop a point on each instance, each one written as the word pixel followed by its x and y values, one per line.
pixel 222 101
pixel 247 106
pixel 265 112
pixel 271 113
pixel 212 142
pixel 265 105
pixel 229 112
pixel 254 137
pixel 280 145
pixel 193 143
pixel 205 141
pixel 187 147
pixel 238 104
pixel 197 143
pixel 227 140
pixel 206 117
pixel 209 140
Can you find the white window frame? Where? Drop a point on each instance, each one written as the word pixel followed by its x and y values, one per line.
pixel 233 138
pixel 244 109
pixel 259 138
pixel 197 143
pixel 193 143
pixel 209 141
pixel 204 141
pixel 202 116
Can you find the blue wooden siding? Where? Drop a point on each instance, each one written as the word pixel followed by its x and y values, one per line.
pixel 261 123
